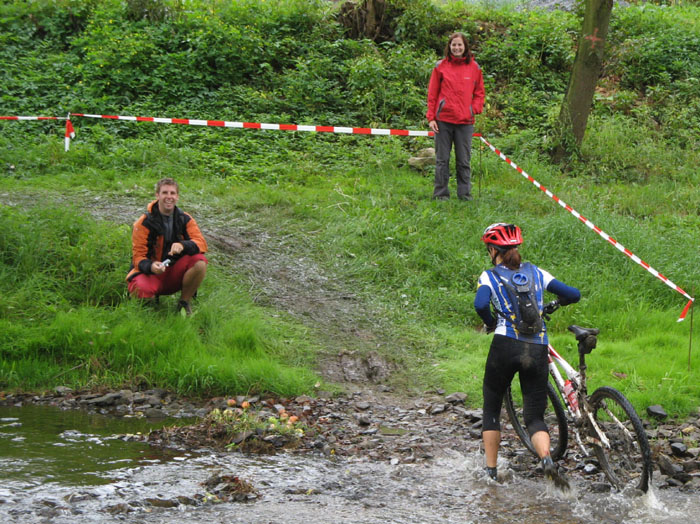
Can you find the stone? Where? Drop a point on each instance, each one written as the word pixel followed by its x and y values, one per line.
pixel 600 487
pixel 679 449
pixel 589 469
pixel 657 412
pixel 154 413
pixel 667 466
pixel 436 409
pixel 420 162
pixel 362 420
pixel 110 399
pixel 456 398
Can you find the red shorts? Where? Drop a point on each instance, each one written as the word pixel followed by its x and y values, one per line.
pixel 147 286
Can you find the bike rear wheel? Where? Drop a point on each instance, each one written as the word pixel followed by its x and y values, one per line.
pixel 554 417
pixel 627 460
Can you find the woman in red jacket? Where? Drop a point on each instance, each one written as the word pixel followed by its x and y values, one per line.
pixel 455 95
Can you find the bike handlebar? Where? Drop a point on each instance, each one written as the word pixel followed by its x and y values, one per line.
pixel 549 308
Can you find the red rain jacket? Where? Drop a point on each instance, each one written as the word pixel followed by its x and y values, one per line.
pixel 456 91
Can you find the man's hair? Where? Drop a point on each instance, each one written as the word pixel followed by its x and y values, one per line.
pixel 167 182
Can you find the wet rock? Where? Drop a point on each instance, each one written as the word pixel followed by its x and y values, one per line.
pixel 589 469
pixel 674 483
pixel 110 399
pixel 230 488
pixel 362 405
pixel 155 413
pixel 600 487
pixel 657 412
pixel 693 486
pixel 163 503
pixel 667 466
pixel 63 390
pixel 118 509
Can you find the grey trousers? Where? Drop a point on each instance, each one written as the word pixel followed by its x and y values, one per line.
pixel 461 136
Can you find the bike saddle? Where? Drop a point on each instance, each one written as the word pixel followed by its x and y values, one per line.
pixel 581 333
pixel 586 337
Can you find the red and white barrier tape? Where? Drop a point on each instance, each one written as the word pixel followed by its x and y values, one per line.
pixel 256 125
pixel 70 133
pixel 596 229
pixel 32 117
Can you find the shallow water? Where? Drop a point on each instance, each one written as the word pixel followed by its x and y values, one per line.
pixel 66 466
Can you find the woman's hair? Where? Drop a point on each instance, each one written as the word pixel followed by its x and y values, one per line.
pixel 511 258
pixel 467 51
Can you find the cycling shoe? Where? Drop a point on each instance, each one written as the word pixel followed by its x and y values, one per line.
pixel 554 474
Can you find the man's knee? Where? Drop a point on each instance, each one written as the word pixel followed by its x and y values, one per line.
pixel 141 288
pixel 199 268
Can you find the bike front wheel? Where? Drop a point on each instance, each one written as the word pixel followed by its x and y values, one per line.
pixel 554 417
pixel 626 457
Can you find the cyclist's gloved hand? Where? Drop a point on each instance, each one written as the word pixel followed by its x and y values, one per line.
pixel 563 301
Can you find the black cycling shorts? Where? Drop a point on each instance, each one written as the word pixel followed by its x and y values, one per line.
pixel 507 357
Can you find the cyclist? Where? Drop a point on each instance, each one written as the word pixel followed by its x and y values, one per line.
pixel 513 350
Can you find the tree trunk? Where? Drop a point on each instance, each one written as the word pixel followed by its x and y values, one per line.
pixel 366 19
pixel 588 64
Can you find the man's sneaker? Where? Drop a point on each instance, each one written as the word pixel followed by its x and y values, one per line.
pixel 183 305
pixel 553 474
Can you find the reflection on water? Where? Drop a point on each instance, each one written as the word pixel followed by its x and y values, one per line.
pixel 40 444
pixel 66 467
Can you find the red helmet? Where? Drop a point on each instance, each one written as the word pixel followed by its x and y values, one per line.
pixel 502 235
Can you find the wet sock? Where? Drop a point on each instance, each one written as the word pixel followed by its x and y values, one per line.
pixel 492 472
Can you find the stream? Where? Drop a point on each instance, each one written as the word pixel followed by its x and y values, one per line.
pixel 69 466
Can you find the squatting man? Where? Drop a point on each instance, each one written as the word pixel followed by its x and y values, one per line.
pixel 167 250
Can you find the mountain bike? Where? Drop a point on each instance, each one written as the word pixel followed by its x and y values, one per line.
pixel 604 424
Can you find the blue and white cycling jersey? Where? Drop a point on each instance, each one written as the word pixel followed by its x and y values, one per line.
pixel 501 302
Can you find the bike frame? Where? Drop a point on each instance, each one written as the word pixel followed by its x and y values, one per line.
pixel 578 380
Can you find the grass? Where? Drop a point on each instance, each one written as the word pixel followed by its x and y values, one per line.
pixel 350 206
pixel 365 220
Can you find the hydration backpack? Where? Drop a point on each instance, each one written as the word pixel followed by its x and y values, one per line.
pixel 520 287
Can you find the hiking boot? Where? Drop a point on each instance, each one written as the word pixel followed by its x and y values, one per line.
pixel 183 305
pixel 554 475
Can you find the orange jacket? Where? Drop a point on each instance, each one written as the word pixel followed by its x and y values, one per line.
pixel 147 241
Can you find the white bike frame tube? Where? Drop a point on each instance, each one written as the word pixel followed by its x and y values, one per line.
pixel 573 375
